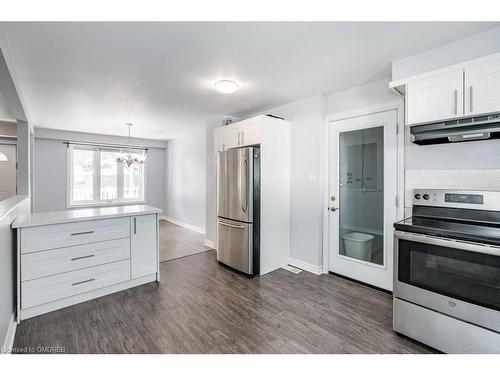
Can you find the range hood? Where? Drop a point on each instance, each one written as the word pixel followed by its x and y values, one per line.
pixel 459 130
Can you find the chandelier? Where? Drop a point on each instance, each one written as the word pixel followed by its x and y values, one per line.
pixel 128 157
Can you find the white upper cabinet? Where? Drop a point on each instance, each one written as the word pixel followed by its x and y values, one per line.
pixel 250 133
pixel 233 136
pixel 471 88
pixel 434 98
pixel 482 88
pixel 219 140
pixel 241 134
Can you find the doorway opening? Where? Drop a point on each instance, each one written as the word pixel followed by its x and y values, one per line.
pixel 8 171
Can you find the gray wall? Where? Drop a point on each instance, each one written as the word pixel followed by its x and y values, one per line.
pixel 186 179
pixel 5 114
pixel 50 164
pixel 306 118
pixel 24 149
pixel 17 206
pixel 470 155
pixel 12 106
pixel 478 45
pixel 359 97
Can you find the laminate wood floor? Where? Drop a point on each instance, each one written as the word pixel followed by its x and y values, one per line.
pixel 203 307
pixel 177 242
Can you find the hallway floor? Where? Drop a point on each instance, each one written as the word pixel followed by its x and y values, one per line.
pixel 177 242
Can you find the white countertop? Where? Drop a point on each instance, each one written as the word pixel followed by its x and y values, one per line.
pixel 84 214
pixel 7 205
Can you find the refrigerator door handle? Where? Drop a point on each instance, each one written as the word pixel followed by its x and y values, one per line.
pixel 231 225
pixel 244 204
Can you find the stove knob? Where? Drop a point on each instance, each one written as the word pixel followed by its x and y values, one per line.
pixel 418 196
pixel 426 197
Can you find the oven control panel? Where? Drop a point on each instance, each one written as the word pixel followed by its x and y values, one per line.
pixel 480 200
pixel 464 198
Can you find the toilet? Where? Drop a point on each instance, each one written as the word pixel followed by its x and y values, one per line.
pixel 358 245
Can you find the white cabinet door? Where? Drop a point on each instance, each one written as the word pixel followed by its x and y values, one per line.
pixel 244 133
pixel 250 134
pixel 233 136
pixel 219 140
pixel 482 88
pixel 143 245
pixel 435 98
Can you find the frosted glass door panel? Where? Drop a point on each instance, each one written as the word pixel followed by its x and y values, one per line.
pixel 361 203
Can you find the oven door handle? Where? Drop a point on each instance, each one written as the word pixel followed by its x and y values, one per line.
pixel 454 244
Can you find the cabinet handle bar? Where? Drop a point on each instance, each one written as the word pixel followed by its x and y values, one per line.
pixel 456 102
pixel 83 282
pixel 80 233
pixel 83 257
pixel 471 93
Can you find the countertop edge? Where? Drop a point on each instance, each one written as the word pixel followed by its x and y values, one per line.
pixel 61 217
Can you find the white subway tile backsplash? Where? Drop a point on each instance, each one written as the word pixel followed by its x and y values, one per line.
pixel 491 173
pixel 470 179
pixel 494 183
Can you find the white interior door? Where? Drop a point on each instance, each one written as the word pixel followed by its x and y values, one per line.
pixel 7 171
pixel 362 197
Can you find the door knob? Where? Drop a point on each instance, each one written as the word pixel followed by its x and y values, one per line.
pixel 333 209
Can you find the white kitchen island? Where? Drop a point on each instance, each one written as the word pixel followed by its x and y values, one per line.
pixel 68 257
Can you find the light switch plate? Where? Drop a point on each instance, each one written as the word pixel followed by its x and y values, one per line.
pixel 312 178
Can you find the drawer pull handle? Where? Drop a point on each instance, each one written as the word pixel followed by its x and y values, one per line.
pixel 83 257
pixel 79 233
pixel 232 225
pixel 83 282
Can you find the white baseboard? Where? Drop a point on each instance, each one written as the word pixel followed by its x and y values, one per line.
pixel 9 337
pixel 317 270
pixel 185 225
pixel 209 244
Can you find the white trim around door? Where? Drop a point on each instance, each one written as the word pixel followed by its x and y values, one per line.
pixel 397 106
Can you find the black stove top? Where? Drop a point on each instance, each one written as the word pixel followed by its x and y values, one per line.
pixel 460 224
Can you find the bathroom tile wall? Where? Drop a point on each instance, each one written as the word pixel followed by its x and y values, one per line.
pixel 469 179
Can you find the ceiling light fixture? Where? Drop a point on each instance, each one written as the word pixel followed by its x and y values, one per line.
pixel 226 86
pixel 129 158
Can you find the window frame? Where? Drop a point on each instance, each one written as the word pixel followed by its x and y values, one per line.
pixel 97 179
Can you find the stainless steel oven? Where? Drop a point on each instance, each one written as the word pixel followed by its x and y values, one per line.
pixel 447 272
pixel 460 279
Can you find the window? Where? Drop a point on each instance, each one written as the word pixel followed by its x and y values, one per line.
pixel 95 178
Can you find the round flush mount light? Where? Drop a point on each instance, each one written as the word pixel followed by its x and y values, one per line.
pixel 226 86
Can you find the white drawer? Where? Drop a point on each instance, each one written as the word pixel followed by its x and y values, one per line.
pixel 66 259
pixel 69 234
pixel 52 288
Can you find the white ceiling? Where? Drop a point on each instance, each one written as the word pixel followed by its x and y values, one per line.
pixel 94 77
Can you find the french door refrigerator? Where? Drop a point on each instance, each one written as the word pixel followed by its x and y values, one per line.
pixel 238 209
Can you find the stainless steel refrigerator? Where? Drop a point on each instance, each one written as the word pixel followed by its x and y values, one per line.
pixel 238 209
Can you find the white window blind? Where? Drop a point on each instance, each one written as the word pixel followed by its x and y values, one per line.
pixel 95 178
